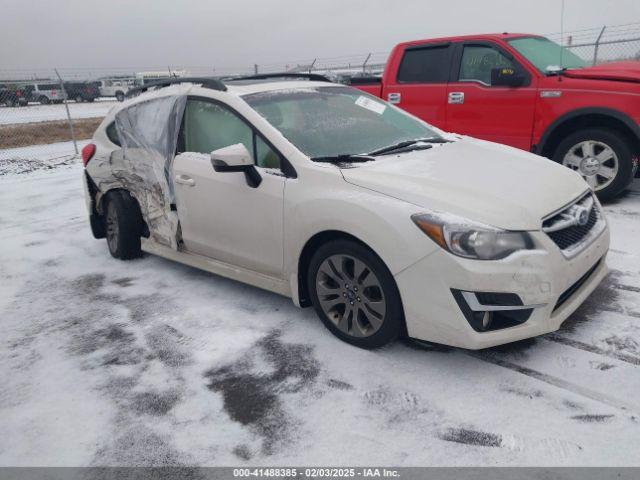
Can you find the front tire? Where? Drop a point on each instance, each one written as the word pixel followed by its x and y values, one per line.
pixel 355 295
pixel 120 96
pixel 44 100
pixel 603 157
pixel 123 225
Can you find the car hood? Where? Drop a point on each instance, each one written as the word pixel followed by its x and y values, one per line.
pixel 621 71
pixel 482 181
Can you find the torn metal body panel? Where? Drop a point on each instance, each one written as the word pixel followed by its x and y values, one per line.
pixel 148 133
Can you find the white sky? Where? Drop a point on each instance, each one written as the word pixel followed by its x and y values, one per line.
pixel 239 33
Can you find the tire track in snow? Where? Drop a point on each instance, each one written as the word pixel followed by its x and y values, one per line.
pixel 556 381
pixel 623 357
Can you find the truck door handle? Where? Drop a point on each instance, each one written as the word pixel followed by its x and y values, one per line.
pixel 456 97
pixel 185 180
pixel 394 97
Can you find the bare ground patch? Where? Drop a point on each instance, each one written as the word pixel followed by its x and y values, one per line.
pixel 41 133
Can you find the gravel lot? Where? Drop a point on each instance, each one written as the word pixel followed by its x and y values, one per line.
pixel 105 362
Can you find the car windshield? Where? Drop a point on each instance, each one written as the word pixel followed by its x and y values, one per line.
pixel 544 53
pixel 333 121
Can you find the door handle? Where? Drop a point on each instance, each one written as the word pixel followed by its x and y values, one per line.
pixel 394 97
pixel 456 98
pixel 185 180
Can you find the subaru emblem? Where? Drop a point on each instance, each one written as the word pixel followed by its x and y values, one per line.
pixel 582 217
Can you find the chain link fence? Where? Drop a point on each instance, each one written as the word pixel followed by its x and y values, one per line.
pixel 603 45
pixel 47 116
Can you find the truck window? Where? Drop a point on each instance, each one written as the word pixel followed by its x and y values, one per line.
pixel 425 65
pixel 478 61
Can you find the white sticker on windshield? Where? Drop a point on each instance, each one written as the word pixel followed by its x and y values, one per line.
pixel 372 105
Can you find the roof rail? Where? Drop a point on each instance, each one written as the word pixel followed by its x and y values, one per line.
pixel 207 82
pixel 315 77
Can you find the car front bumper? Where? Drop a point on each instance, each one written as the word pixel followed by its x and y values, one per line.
pixel 539 277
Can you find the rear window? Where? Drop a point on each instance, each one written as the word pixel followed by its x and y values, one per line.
pixel 425 65
pixel 48 86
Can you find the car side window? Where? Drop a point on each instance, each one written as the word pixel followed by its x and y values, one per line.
pixel 209 126
pixel 112 133
pixel 425 65
pixel 478 61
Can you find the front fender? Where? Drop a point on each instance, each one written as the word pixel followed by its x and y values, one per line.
pixel 381 222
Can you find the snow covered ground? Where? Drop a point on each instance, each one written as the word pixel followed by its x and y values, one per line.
pixel 104 362
pixel 38 157
pixel 46 113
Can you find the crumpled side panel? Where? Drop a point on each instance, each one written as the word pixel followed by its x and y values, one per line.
pixel 148 133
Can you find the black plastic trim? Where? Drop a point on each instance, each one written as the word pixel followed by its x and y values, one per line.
pixel 568 293
pixel 499 319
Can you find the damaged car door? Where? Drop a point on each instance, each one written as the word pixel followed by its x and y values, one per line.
pixel 219 211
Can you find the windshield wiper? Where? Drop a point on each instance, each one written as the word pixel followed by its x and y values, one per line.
pixel 409 143
pixel 344 158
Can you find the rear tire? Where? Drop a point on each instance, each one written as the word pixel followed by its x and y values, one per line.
pixel 120 96
pixel 123 225
pixel 613 164
pixel 44 100
pixel 9 103
pixel 79 99
pixel 355 295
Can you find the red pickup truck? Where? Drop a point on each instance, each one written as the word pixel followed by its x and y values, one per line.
pixel 525 91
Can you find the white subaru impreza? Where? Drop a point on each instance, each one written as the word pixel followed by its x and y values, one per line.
pixel 320 192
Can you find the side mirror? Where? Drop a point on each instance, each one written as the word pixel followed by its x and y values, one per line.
pixel 236 158
pixel 506 77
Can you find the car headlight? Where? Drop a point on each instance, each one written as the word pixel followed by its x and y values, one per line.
pixel 471 240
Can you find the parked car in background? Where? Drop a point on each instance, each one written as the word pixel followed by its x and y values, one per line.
pixel 82 91
pixel 144 78
pixel 510 89
pixel 115 87
pixel 12 96
pixel 320 192
pixel 44 93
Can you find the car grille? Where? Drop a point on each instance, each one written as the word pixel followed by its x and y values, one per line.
pixel 567 229
pixel 576 286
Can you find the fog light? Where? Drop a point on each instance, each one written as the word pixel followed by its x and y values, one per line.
pixel 487 311
pixel 487 318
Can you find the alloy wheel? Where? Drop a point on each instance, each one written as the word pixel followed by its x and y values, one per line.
pixel 112 227
pixel 596 161
pixel 350 294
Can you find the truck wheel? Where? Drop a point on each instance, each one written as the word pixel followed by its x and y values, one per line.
pixel 120 96
pixel 603 157
pixel 44 100
pixel 355 295
pixel 123 225
pixel 79 99
pixel 9 102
